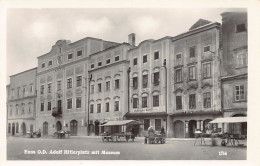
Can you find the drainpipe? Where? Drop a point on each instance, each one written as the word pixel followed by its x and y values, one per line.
pixel 164 66
pixel 89 80
pixel 128 89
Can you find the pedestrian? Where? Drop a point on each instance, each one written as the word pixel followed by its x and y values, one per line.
pixel 39 133
pixel 151 134
pixel 162 130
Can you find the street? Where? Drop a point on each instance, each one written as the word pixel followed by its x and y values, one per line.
pixel 88 148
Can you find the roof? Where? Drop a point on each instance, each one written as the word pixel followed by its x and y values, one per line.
pixel 199 23
pixel 146 114
pixel 230 120
pixel 121 123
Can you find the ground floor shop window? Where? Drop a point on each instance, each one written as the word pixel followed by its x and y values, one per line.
pixel 157 124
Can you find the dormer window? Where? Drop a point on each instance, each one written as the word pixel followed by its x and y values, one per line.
pixel 70 56
pixel 92 66
pixel 108 61
pixel 43 65
pixel 206 48
pixel 117 58
pixel 99 63
pixel 50 63
pixel 178 56
pixel 240 28
pixel 79 53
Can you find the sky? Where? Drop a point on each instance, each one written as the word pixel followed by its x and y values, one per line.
pixel 32 32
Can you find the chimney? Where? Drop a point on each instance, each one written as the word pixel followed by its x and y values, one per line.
pixel 131 39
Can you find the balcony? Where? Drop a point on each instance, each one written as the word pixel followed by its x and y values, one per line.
pixel 57 111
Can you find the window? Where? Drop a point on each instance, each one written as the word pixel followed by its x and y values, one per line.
pixel 117 58
pixel 178 56
pixel 157 124
pixel 22 108
pixel 178 75
pixel 192 101
pixel 42 106
pixel 116 105
pixel 43 65
pixel 240 93
pixel 79 81
pixel 135 61
pixel 146 124
pixel 99 63
pixel 206 70
pixel 69 103
pixel 178 102
pixel 17 109
pixel 135 82
pixel 70 56
pixel 69 83
pixel 107 106
pixel 192 73
pixel 49 106
pixel 91 108
pixel 50 63
pixel 98 108
pixel 241 59
pixel 108 61
pixel 117 85
pixel 42 89
pixel 31 88
pixel 145 81
pixel 156 78
pixel 99 87
pixel 135 102
pixel 207 100
pixel 18 91
pixel 156 55
pixel 9 128
pixel 144 58
pixel 108 86
pixel 23 91
pixel 144 102
pixel 206 48
pixel 59 85
pixel 156 101
pixel 92 66
pixel 49 88
pixel 79 53
pixel 240 28
pixel 92 89
pixel 192 52
pixel 78 102
pixel 60 49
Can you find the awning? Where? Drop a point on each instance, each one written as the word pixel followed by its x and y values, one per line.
pixel 121 123
pixel 230 120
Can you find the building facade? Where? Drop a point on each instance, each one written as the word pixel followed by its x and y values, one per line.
pixel 234 69
pixel 148 84
pixel 21 103
pixel 62 80
pixel 194 97
pixel 108 100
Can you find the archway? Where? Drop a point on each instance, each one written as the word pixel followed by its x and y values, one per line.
pixel 58 126
pixel 45 128
pixel 24 128
pixel 97 127
pixel 73 127
pixel 178 127
pixel 13 129
pixel 192 128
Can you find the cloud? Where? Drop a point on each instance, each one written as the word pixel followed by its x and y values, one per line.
pixel 145 25
pixel 93 26
pixel 41 29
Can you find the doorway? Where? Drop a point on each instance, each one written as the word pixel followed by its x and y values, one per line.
pixel 58 126
pixel 73 127
pixel 24 128
pixel 97 127
pixel 45 129
pixel 178 129
pixel 192 128
pixel 13 129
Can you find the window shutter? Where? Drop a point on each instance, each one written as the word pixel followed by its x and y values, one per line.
pixel 131 82
pixel 152 79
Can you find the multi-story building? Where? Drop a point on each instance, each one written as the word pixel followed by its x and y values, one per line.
pixel 21 101
pixel 62 79
pixel 194 88
pixel 148 84
pixel 108 100
pixel 234 69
